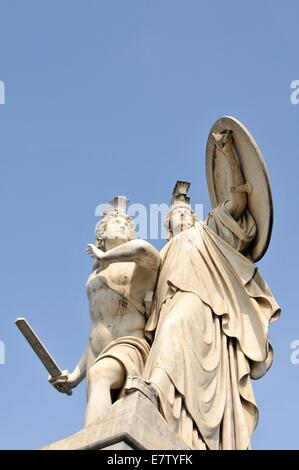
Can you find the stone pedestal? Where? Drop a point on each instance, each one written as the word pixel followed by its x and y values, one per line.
pixel 132 423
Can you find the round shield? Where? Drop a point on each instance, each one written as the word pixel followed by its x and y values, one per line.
pixel 254 171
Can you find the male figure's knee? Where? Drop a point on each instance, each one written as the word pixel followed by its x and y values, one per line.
pixel 106 370
pixel 93 373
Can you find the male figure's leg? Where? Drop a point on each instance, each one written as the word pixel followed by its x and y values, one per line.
pixel 105 375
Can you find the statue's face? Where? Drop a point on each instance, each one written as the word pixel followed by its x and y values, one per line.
pixel 181 219
pixel 118 228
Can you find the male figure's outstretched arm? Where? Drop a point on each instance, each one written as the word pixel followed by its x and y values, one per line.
pixel 139 251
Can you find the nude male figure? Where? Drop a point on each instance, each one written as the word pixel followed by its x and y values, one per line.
pixel 125 270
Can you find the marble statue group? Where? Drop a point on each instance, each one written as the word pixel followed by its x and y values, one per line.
pixel 190 321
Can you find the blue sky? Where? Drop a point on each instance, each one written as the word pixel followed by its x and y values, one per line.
pixel 117 97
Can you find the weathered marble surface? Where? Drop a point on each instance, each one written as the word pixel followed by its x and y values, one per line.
pixel 211 315
pixel 133 422
pixel 196 348
pixel 119 291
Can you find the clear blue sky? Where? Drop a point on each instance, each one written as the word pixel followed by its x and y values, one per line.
pixel 117 97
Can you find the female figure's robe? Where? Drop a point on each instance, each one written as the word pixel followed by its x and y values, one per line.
pixel 210 324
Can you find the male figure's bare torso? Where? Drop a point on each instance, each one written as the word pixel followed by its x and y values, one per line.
pixel 116 304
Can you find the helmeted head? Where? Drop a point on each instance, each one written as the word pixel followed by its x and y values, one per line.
pixel 180 216
pixel 115 224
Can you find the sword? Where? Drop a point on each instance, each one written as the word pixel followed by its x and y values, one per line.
pixel 39 349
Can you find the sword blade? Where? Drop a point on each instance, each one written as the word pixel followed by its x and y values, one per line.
pixel 38 347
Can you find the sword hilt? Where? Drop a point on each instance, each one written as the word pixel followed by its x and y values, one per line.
pixel 62 387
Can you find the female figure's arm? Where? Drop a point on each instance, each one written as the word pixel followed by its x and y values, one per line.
pixel 237 187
